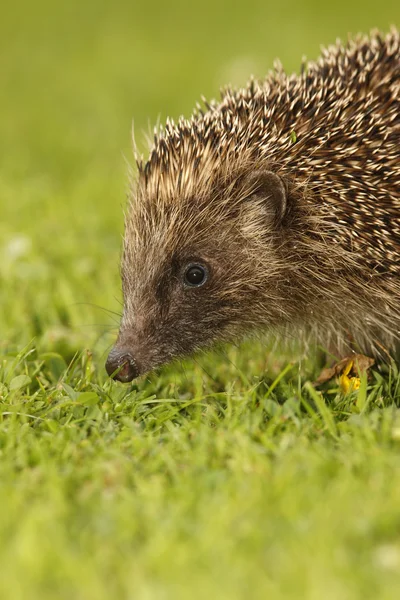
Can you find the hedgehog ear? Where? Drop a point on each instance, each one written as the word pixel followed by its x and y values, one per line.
pixel 271 189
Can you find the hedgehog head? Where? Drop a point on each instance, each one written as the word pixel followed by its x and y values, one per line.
pixel 200 243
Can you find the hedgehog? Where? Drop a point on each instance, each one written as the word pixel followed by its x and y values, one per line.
pixel 276 208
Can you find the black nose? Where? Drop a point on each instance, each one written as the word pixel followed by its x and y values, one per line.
pixel 121 365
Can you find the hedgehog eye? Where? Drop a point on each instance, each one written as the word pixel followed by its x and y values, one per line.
pixel 195 275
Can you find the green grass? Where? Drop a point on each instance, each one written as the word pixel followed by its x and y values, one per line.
pixel 228 476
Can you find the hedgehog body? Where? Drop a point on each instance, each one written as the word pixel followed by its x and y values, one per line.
pixel 285 196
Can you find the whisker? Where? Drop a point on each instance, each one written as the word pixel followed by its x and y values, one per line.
pixel 203 369
pixel 104 326
pixel 119 302
pixel 107 310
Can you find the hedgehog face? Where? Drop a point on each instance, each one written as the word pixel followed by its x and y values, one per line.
pixel 192 272
pixel 182 303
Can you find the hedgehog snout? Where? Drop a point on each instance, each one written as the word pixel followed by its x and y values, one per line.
pixel 121 365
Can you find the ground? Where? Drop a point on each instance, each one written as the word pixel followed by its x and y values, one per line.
pixel 229 475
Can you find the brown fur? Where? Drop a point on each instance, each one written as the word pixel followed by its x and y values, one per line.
pixel 325 258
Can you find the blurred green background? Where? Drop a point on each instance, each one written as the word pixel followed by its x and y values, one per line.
pixel 74 76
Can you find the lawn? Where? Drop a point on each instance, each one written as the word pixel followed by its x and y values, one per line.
pixel 228 475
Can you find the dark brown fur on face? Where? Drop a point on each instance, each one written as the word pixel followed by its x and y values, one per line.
pixel 288 194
